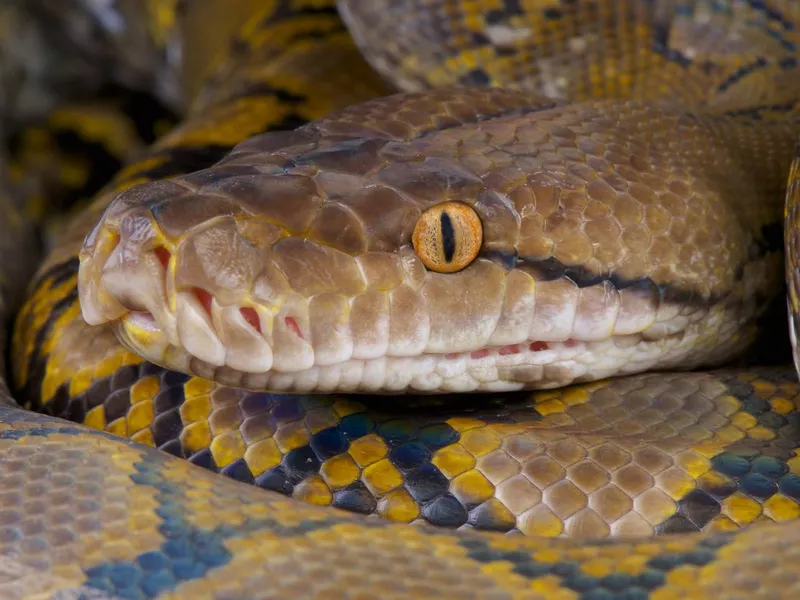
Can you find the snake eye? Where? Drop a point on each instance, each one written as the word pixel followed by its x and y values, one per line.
pixel 447 237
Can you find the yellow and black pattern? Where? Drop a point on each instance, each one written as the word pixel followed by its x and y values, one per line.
pixel 728 55
pixel 59 164
pixel 703 456
pixel 565 462
pixel 120 520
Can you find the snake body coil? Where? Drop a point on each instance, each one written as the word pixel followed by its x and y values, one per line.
pixel 609 208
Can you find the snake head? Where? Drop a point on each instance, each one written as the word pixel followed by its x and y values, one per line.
pixel 270 266
pixel 452 241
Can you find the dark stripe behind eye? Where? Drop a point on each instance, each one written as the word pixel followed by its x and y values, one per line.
pixel 448 237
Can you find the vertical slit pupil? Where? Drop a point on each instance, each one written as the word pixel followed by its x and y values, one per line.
pixel 448 236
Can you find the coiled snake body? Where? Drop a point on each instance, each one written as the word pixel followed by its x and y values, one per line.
pixel 610 208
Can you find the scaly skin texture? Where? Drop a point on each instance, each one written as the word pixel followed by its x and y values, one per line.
pixel 92 514
pixel 608 248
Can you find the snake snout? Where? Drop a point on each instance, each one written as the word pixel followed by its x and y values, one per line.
pixel 122 271
pixel 120 268
pixel 190 281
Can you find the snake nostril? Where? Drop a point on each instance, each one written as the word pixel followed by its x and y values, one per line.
pixel 251 316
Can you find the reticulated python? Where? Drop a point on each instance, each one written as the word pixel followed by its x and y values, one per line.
pixel 611 210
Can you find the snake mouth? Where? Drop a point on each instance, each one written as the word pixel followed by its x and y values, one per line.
pixel 429 336
pixel 233 338
pixel 532 364
pixel 511 367
pixel 281 348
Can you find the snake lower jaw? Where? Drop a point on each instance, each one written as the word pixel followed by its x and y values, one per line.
pixel 528 365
